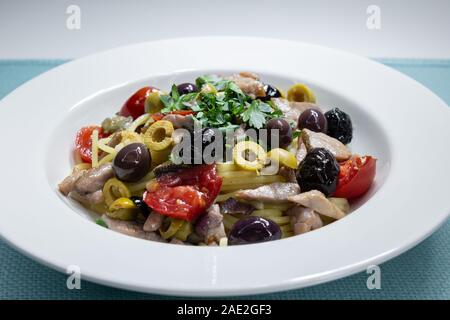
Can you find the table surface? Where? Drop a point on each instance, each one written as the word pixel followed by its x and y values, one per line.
pixel 421 273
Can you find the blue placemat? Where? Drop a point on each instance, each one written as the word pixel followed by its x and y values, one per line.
pixel 421 273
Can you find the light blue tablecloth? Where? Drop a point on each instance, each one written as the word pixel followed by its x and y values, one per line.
pixel 421 273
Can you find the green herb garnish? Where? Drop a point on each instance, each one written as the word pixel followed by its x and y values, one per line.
pixel 102 223
pixel 224 109
pixel 296 134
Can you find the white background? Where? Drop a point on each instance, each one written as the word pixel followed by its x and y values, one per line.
pixel 37 29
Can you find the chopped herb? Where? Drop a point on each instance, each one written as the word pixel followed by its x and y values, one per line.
pixel 174 93
pixel 209 78
pixel 296 134
pixel 102 223
pixel 223 109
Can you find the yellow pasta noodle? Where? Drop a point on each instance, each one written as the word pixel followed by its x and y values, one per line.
pixel 286 228
pixel 238 174
pixel 95 149
pixel 140 185
pixel 267 213
pixel 287 234
pixel 172 228
pixel 77 157
pixel 253 180
pixel 130 137
pixel 223 242
pixel 138 122
pixel 82 166
pixel 280 220
pixel 104 147
pixel 229 221
pixel 224 197
pixel 286 231
pixel 159 157
pixel 266 205
pixel 106 159
pixel 226 166
pixel 184 231
pixel 236 187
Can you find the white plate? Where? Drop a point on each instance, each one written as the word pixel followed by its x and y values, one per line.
pixel 396 119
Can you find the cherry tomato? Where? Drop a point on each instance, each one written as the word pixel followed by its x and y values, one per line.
pixel 355 177
pixel 186 193
pixel 134 106
pixel 159 116
pixel 83 141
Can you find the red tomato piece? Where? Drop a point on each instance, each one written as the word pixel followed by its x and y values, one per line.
pixel 83 141
pixel 182 112
pixel 157 116
pixel 355 177
pixel 135 105
pixel 186 193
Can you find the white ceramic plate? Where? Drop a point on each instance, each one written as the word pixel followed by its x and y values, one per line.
pixel 396 119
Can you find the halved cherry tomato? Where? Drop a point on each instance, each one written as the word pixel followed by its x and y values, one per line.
pixel 355 177
pixel 83 141
pixel 134 106
pixel 159 116
pixel 186 193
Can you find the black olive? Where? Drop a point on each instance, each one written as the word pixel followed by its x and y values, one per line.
pixel 313 120
pixel 253 230
pixel 339 125
pixel 168 167
pixel 199 140
pixel 132 162
pixel 186 88
pixel 141 205
pixel 271 92
pixel 318 171
pixel 285 132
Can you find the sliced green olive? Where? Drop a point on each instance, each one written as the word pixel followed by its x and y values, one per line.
pixel 300 93
pixel 153 103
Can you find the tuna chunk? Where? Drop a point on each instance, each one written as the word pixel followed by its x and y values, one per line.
pixel 94 179
pixel 116 138
pixel 131 228
pixel 317 201
pixel 314 140
pixel 86 186
pixel 214 227
pixel 249 84
pixel 68 184
pixel 178 241
pixel 153 222
pixel 88 198
pixel 291 109
pixel 180 121
pixel 301 151
pixel 277 192
pixel 304 219
pixel 247 74
pixel 288 174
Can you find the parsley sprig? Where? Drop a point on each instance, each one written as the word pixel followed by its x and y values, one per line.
pixel 225 107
